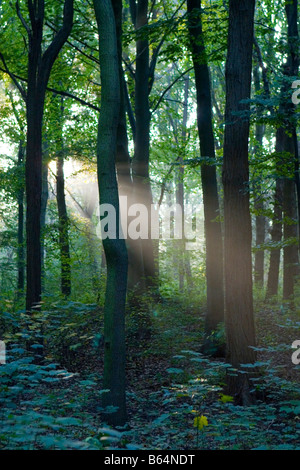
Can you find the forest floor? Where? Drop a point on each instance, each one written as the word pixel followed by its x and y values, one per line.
pixel 175 395
pixel 170 389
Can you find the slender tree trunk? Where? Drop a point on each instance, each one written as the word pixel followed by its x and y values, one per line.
pixel 39 68
pixel 260 221
pixel 239 319
pixel 181 253
pixel 44 203
pixel 290 232
pixel 63 219
pixel 213 234
pixel 21 251
pixel 115 249
pixel 276 236
pixel 63 227
pixel 276 232
pixel 136 281
pixel 140 164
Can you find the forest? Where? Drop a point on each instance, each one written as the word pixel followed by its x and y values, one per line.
pixel 149 226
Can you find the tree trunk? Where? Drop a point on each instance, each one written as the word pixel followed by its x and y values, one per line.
pixel 136 282
pixel 39 68
pixel 276 232
pixel 179 178
pixel 21 251
pixel 33 177
pixel 239 320
pixel 260 221
pixel 115 249
pixel 291 258
pixel 63 220
pixel 140 164
pixel 44 203
pixel 213 234
pixel 63 228
pixel 290 232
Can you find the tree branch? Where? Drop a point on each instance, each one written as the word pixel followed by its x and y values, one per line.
pixel 28 30
pixel 57 92
pixel 169 87
pixel 60 38
pixel 13 78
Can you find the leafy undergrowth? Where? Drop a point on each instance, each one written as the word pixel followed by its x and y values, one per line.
pixel 176 395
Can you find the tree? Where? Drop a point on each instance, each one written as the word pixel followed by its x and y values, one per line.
pixel 115 249
pixel 39 68
pixel 239 321
pixel 63 220
pixel 291 254
pixel 136 283
pixel 276 231
pixel 140 163
pixel 260 221
pixel 213 234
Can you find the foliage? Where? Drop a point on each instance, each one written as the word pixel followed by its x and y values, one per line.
pixel 51 385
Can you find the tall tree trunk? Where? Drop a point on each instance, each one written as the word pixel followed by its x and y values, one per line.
pixel 260 221
pixel 39 68
pixel 290 232
pixel 276 232
pixel 291 255
pixel 115 249
pixel 33 175
pixel 136 281
pixel 44 203
pixel 63 227
pixel 239 319
pixel 21 251
pixel 179 179
pixel 140 164
pixel 213 234
pixel 63 219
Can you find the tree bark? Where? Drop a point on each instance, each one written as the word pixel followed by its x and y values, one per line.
pixel 21 251
pixel 260 221
pixel 39 68
pixel 179 181
pixel 291 184
pixel 115 249
pixel 136 281
pixel 63 228
pixel 239 320
pixel 276 232
pixel 44 203
pixel 290 232
pixel 140 163
pixel 212 224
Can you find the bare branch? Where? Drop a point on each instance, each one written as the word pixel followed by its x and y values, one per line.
pixel 28 30
pixel 169 87
pixel 60 38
